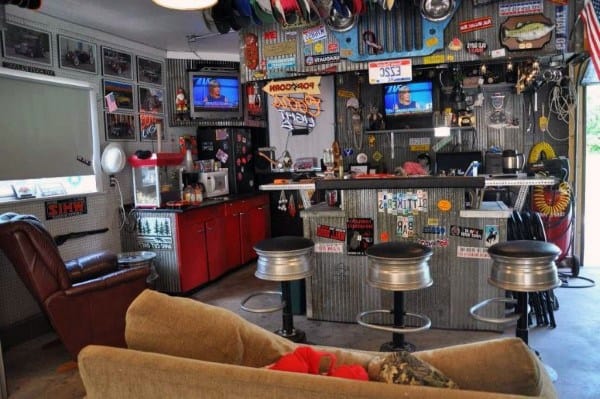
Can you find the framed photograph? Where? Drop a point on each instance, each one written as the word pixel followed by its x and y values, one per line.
pixel 149 71
pixel 77 54
pixel 122 93
pixel 26 44
pixel 117 63
pixel 148 126
pixel 151 99
pixel 119 126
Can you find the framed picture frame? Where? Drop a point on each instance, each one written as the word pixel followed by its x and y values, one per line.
pixel 123 94
pixel 148 126
pixel 119 126
pixel 149 71
pixel 151 99
pixel 77 54
pixel 117 63
pixel 26 44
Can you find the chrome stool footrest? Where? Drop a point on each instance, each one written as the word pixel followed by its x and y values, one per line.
pixel 493 320
pixel 263 310
pixel 402 330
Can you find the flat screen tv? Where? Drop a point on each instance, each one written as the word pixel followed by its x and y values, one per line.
pixel 215 94
pixel 410 98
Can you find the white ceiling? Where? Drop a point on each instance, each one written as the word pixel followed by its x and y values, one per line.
pixel 144 22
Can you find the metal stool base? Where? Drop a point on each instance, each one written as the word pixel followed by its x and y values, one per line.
pixel 392 347
pixel 297 336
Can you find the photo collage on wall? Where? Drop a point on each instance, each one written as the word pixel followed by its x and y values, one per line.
pixel 132 86
pixel 133 111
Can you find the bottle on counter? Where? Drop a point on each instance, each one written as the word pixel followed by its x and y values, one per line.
pixel 188 193
pixel 198 197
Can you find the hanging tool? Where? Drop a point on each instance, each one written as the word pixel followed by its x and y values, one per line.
pixel 62 238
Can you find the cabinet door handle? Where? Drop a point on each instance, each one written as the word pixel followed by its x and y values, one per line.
pixel 242 213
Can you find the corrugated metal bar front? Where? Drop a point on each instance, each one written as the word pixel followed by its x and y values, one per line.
pixel 338 290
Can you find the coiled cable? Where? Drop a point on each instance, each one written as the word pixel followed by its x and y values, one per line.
pixel 555 206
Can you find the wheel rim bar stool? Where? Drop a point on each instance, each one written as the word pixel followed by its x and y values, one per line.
pixel 398 267
pixel 522 266
pixel 283 259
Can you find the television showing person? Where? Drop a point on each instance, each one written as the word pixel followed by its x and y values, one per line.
pixel 214 93
pixel 404 100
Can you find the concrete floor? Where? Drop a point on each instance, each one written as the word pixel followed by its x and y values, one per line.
pixel 41 368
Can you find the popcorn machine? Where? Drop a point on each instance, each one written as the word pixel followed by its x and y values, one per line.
pixel 157 179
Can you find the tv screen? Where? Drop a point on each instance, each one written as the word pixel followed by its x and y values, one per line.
pixel 411 98
pixel 214 95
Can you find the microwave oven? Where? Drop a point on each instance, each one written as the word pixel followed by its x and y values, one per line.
pixel 216 184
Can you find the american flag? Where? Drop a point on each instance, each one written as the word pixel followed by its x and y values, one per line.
pixel 589 14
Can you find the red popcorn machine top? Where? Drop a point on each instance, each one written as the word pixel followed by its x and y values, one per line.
pixel 156 179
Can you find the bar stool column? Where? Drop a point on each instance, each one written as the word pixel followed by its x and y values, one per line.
pixel 283 259
pixel 398 267
pixel 522 266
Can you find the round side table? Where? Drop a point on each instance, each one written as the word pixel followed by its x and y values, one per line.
pixel 127 260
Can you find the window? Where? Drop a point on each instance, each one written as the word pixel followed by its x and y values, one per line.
pixel 49 130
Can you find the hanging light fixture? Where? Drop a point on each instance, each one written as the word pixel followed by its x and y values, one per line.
pixel 186 4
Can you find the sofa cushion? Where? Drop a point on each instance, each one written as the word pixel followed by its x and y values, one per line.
pixel 403 368
pixel 184 327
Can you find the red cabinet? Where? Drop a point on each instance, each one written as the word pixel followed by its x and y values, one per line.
pixel 191 245
pixel 254 226
pixel 248 222
pixel 216 247
pixel 203 246
pixel 215 239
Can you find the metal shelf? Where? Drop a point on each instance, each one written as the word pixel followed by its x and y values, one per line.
pixel 418 130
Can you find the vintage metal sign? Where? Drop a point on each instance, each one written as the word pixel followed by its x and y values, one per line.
pixel 512 8
pixel 65 208
pixel 319 59
pixel 491 235
pixel 314 34
pixel 475 24
pixel 309 85
pixel 466 232
pixel 472 252
pixel 282 48
pixel 477 47
pixel 329 248
pixel 333 233
pixel 154 233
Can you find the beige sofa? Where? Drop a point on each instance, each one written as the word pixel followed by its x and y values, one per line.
pixel 181 348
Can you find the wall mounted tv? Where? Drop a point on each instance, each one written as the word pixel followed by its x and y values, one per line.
pixel 411 98
pixel 215 94
pixel 409 105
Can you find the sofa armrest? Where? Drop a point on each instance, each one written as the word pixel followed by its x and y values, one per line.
pixel 109 280
pixel 91 266
pixel 501 365
pixel 109 373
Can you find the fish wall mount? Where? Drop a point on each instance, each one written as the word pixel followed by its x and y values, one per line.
pixel 526 32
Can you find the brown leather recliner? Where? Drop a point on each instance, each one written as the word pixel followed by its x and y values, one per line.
pixel 85 299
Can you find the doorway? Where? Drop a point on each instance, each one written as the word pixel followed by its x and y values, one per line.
pixel 591 188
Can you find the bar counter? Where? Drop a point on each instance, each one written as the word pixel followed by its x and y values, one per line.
pixel 428 210
pixel 425 210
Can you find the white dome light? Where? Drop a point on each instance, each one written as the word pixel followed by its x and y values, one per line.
pixel 186 4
